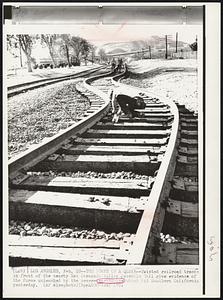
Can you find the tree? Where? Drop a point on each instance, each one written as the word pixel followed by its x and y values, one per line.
pixel 64 47
pixel 12 44
pixel 50 40
pixel 193 46
pixel 92 53
pixel 103 56
pixel 80 46
pixel 88 50
pixel 13 47
pixel 26 42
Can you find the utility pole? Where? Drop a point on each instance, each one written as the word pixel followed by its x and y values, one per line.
pixel 166 54
pixel 176 41
pixel 197 46
pixel 150 56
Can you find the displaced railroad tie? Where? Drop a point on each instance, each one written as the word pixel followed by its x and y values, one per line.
pixel 99 195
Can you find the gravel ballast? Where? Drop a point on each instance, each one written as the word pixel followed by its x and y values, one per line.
pixel 41 113
pixel 24 228
pixel 167 238
pixel 92 174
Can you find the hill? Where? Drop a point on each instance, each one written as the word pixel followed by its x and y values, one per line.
pixel 156 43
pixel 117 50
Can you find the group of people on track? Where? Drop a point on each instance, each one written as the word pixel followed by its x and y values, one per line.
pixel 117 65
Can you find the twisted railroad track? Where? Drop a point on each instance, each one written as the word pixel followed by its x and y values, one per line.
pixel 98 192
pixel 23 87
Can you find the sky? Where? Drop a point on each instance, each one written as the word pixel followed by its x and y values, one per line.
pixel 100 34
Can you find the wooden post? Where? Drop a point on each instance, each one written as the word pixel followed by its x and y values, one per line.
pixel 176 41
pixel 166 54
pixel 197 46
pixel 150 56
pixel 20 55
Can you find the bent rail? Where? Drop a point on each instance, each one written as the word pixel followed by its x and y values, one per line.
pixel 19 88
pixel 36 153
pixel 152 219
pixel 144 248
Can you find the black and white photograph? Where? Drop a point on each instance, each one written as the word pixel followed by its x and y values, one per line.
pixel 105 129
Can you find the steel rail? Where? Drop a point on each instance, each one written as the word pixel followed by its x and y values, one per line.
pixel 22 87
pixel 151 222
pixel 38 152
pixel 149 228
pixel 152 219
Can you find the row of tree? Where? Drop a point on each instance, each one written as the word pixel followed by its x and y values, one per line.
pixel 65 46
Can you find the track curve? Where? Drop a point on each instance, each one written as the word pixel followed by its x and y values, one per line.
pixel 91 174
pixel 23 87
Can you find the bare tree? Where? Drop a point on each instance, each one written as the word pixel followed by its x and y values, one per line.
pixel 64 41
pixel 26 42
pixel 14 47
pixel 103 56
pixel 12 44
pixel 50 41
pixel 92 53
pixel 87 49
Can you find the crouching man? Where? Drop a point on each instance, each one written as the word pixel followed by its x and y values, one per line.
pixel 122 103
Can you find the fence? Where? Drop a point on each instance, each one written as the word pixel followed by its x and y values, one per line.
pixel 184 54
pixel 161 54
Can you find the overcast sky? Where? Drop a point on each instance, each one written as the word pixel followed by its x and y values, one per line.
pixel 100 34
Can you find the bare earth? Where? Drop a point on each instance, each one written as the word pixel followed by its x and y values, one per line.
pixel 179 86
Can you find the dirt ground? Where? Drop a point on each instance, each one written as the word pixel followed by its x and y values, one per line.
pixel 180 86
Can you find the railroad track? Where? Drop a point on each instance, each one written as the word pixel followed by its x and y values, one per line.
pixel 98 192
pixel 23 87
